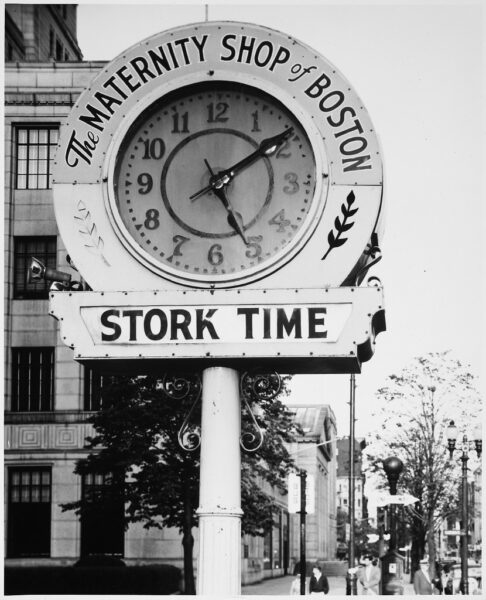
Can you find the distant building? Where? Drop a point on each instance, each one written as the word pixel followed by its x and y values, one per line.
pixel 315 452
pixel 343 467
pixel 41 32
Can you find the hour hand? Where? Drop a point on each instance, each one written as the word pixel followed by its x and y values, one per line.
pixel 234 218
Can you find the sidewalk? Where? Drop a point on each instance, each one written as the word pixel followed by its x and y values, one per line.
pixel 280 586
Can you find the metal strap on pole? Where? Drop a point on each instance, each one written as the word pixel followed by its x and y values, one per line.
pixel 303 564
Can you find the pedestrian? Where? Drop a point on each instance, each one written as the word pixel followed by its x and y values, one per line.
pixel 318 582
pixel 422 583
pixel 295 586
pixel 369 576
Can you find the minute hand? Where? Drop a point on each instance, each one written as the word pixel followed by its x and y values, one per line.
pixel 266 148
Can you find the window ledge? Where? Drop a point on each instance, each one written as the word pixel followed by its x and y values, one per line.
pixel 58 416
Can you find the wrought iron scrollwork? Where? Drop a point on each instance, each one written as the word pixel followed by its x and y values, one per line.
pixel 185 387
pixel 265 386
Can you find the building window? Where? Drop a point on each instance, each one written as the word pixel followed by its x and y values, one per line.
pixel 94 382
pixel 32 379
pixel 35 152
pixel 29 512
pixel 41 247
pixel 102 520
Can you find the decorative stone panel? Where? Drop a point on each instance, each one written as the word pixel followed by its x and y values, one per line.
pixel 47 436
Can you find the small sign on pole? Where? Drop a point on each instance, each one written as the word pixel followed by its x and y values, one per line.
pixel 294 494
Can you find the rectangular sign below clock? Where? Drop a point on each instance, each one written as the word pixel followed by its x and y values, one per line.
pixel 243 323
pixel 294 330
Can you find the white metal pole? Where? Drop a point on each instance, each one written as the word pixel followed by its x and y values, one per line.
pixel 219 559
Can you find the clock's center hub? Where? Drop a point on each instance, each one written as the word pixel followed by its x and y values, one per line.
pixel 186 171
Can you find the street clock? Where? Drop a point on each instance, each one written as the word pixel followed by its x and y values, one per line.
pixel 216 182
pixel 218 155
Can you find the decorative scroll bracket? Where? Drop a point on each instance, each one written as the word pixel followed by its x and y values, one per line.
pixel 264 386
pixel 182 387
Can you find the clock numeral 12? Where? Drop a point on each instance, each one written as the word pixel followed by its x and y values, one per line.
pixel 215 114
pixel 180 123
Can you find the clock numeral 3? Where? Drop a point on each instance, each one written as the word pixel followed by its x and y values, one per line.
pixel 145 180
pixel 280 220
pixel 254 248
pixel 293 186
pixel 153 148
pixel 152 219
pixel 215 255
pixel 180 123
pixel 215 114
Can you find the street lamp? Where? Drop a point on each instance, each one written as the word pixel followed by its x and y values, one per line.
pixel 393 466
pixel 392 561
pixel 465 446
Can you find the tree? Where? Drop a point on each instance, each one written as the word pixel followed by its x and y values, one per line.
pixel 138 434
pixel 415 408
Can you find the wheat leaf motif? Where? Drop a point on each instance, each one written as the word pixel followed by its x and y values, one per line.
pixel 335 238
pixel 87 228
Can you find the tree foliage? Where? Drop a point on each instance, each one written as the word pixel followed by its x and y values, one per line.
pixel 137 434
pixel 414 410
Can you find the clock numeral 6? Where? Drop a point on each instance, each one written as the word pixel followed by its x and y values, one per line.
pixel 145 180
pixel 254 248
pixel 215 255
pixel 153 148
pixel 293 186
pixel 152 219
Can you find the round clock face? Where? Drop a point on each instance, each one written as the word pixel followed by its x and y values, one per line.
pixel 215 184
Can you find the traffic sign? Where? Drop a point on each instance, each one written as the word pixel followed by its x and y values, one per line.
pixel 384 499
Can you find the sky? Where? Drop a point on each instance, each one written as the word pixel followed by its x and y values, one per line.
pixel 417 67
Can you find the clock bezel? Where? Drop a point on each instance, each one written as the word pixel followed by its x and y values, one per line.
pixel 261 270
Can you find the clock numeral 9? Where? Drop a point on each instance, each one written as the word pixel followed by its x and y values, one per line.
pixel 293 186
pixel 215 255
pixel 215 114
pixel 152 219
pixel 145 180
pixel 254 248
pixel 153 148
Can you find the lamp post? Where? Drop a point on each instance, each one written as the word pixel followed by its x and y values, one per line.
pixel 392 561
pixel 465 446
pixel 351 577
